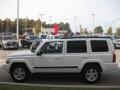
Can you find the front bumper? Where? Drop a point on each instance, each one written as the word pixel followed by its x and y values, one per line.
pixel 15 46
pixel 6 67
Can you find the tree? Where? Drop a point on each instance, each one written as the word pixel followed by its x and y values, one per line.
pixel 61 26
pixel 1 25
pixel 81 30
pixel 98 30
pixel 109 31
pixel 85 31
pixel 37 27
pixel 67 27
pixel 118 31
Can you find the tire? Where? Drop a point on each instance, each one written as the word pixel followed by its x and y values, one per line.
pixel 20 73
pixel 91 74
pixel 115 46
pixel 23 45
pixel 17 47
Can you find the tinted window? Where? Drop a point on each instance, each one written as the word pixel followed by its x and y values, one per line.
pixel 76 47
pixel 99 46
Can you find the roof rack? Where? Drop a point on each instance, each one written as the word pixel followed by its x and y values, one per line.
pixel 73 37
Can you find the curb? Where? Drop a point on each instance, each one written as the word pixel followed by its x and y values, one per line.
pixel 58 86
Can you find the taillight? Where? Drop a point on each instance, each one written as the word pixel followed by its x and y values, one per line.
pixel 114 57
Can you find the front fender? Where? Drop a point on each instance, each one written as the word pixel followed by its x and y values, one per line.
pixel 26 62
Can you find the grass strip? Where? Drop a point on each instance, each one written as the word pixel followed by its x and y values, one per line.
pixel 22 87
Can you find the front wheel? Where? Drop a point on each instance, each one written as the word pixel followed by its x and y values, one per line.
pixel 19 73
pixel 91 74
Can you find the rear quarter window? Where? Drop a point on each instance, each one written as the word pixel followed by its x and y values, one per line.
pixel 76 46
pixel 99 46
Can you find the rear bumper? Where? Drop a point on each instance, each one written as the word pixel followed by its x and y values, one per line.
pixel 110 67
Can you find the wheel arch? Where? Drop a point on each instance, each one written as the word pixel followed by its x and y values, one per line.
pixel 19 64
pixel 92 64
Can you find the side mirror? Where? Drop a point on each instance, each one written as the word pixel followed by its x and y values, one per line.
pixel 39 53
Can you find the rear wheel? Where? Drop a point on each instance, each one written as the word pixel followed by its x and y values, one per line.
pixel 91 74
pixel 20 73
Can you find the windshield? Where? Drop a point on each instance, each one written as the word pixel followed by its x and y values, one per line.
pixel 117 37
pixel 8 38
pixel 43 36
pixel 34 37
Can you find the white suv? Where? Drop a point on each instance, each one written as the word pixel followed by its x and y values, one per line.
pixel 88 57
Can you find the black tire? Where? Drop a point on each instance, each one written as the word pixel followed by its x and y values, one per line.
pixel 91 74
pixel 115 46
pixel 3 48
pixel 23 45
pixel 17 47
pixel 20 73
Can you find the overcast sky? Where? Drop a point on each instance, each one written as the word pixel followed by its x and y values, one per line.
pixel 106 11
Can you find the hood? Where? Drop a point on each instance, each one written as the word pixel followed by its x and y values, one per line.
pixel 21 53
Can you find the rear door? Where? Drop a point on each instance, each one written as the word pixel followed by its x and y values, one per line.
pixel 76 52
pixel 100 50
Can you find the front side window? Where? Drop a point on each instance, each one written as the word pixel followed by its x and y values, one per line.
pixel 99 46
pixel 53 47
pixel 76 46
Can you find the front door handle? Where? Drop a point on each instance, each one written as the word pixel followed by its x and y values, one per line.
pixel 84 57
pixel 58 58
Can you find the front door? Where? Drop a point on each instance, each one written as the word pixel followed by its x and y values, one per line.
pixel 51 59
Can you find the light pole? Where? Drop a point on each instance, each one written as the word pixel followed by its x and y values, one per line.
pixel 50 19
pixel 2 27
pixel 17 21
pixel 41 15
pixel 75 17
pixel 26 24
pixel 93 21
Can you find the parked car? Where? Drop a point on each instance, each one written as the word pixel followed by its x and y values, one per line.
pixel 35 44
pixel 87 57
pixel 116 41
pixel 28 40
pixel 8 42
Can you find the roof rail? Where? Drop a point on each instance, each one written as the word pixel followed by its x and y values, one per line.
pixel 73 37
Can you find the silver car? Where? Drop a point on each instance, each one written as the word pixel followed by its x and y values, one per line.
pixel 7 42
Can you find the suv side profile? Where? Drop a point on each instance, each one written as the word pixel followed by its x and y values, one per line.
pixel 88 57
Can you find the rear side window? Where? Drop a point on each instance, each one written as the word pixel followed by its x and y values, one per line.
pixel 99 46
pixel 76 47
